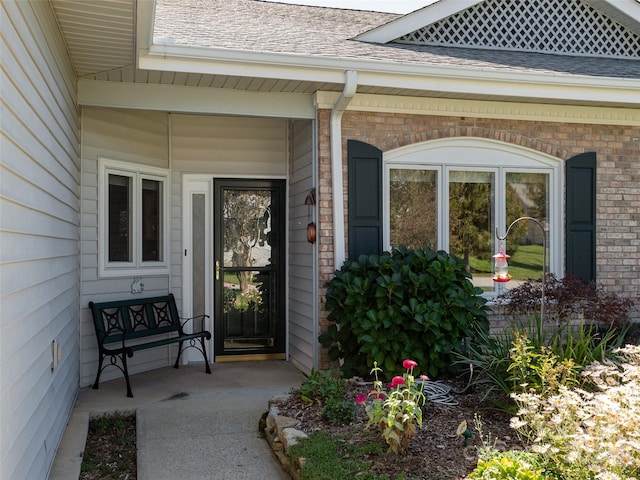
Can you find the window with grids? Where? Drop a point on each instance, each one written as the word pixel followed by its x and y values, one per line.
pixel 133 219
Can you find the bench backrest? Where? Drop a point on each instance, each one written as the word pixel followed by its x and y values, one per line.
pixel 135 318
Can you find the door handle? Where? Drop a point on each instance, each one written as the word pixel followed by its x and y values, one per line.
pixel 217 270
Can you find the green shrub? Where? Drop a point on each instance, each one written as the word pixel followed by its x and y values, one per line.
pixel 510 465
pixel 417 304
pixel 327 388
pixel 321 386
pixel 339 411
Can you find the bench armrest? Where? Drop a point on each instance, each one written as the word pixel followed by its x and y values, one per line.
pixel 184 321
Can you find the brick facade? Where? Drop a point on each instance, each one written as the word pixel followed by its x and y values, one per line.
pixel 618 178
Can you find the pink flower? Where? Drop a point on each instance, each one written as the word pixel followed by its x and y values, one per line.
pixel 375 394
pixel 424 377
pixel 361 398
pixel 409 364
pixel 397 380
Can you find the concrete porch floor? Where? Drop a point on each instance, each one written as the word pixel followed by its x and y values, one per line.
pixel 189 424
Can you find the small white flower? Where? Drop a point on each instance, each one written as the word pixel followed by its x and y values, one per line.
pixel 517 423
pixel 573 456
pixel 607 476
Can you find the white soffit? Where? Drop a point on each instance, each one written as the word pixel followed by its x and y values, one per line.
pixel 98 34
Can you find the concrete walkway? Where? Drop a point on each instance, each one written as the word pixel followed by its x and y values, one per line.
pixel 189 425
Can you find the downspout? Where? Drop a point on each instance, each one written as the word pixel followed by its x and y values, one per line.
pixel 349 90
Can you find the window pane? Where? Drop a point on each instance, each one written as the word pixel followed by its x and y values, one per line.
pixel 119 215
pixel 198 249
pixel 413 208
pixel 472 223
pixel 527 195
pixel 151 221
pixel 247 228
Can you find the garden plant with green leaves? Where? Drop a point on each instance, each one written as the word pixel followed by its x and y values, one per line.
pixel 582 324
pixel 586 431
pixel 408 303
pixel 397 412
pixel 327 388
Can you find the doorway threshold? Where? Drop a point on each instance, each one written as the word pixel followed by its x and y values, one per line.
pixel 252 357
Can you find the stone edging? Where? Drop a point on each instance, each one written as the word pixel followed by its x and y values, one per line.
pixel 281 432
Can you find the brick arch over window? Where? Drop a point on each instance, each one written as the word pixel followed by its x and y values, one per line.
pixel 460 131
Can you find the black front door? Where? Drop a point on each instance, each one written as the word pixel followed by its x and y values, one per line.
pixel 249 256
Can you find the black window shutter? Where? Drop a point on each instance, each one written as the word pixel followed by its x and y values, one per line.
pixel 581 216
pixel 365 199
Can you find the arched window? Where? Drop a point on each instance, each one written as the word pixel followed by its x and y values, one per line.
pixel 451 194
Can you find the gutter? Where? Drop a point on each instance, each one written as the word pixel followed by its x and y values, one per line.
pixel 494 84
pixel 337 187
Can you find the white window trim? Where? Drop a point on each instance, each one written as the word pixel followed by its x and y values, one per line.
pixel 479 154
pixel 136 267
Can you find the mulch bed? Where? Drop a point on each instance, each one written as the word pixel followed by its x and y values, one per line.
pixel 435 452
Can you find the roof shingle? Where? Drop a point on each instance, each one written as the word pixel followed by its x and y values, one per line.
pixel 257 26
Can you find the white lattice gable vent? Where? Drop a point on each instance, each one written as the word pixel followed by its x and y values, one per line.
pixel 567 27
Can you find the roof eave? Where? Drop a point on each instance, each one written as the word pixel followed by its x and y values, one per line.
pixel 454 81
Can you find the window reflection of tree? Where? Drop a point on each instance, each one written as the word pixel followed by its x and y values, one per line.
pixel 413 205
pixel 471 214
pixel 247 221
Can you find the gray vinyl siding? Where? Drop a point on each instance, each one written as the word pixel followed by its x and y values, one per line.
pixel 219 146
pixel 302 331
pixel 129 136
pixel 39 239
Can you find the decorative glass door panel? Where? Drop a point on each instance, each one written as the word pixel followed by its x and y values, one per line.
pixel 249 266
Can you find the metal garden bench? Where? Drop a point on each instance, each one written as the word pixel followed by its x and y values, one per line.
pixel 126 326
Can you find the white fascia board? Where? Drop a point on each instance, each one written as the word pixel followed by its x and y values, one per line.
pixel 625 12
pixel 185 99
pixel 413 21
pixel 448 80
pixel 223 61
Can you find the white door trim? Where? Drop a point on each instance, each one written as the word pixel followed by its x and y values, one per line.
pixel 197 184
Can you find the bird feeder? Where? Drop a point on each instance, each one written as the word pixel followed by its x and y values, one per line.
pixel 501 267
